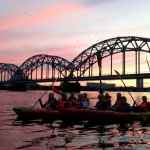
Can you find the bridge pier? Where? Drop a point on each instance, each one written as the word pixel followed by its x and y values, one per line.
pixel 139 83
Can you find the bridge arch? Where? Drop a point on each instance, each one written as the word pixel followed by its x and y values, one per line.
pixel 7 71
pixel 95 53
pixel 47 65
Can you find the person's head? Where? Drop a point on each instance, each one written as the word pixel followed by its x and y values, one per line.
pixel 100 96
pixel 71 95
pixel 64 97
pixel 51 95
pixel 84 95
pixel 123 99
pixel 79 96
pixel 119 96
pixel 107 96
pixel 144 98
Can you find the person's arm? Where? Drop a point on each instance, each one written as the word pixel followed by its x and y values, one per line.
pixel 41 104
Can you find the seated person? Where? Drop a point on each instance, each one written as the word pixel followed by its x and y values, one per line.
pixel 51 103
pixel 62 102
pixel 123 105
pixel 72 101
pixel 145 105
pixel 99 102
pixel 108 101
pixel 118 99
pixel 104 102
pixel 84 101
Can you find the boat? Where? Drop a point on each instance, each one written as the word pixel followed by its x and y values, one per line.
pixel 75 114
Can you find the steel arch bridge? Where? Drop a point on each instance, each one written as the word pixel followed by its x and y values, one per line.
pixel 7 71
pixel 98 51
pixel 48 66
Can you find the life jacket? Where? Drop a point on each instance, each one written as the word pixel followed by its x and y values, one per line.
pixel 144 106
pixel 84 103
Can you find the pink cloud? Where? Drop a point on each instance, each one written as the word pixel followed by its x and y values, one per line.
pixel 18 56
pixel 17 59
pixel 48 14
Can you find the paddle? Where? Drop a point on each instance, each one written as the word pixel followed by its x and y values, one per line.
pixel 53 89
pixel 37 101
pixel 148 63
pixel 125 86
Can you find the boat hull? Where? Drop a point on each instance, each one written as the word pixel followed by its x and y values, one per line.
pixel 73 114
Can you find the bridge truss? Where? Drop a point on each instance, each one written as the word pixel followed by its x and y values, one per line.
pixel 98 51
pixel 47 67
pixel 7 71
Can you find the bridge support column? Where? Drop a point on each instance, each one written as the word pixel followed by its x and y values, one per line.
pixel 139 83
pixel 99 58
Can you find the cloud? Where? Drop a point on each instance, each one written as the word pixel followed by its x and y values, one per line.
pixel 95 2
pixel 19 56
pixel 47 14
pixel 21 49
pixel 91 2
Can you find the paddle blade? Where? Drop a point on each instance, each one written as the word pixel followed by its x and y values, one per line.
pixel 116 72
pixel 148 63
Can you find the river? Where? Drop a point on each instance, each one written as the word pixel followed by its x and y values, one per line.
pixel 37 135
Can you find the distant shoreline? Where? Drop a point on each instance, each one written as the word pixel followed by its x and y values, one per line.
pixel 83 88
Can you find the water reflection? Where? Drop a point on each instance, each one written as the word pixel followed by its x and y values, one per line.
pixel 61 136
pixel 129 136
pixel 85 135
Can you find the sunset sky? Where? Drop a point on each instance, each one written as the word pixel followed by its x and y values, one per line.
pixel 66 27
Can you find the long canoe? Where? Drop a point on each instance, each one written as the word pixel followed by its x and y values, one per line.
pixel 25 113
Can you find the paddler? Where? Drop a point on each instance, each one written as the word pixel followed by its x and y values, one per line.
pixel 51 103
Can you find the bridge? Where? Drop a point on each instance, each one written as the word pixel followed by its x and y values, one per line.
pixel 97 62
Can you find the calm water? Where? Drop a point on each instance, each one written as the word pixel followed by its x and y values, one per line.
pixel 43 136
